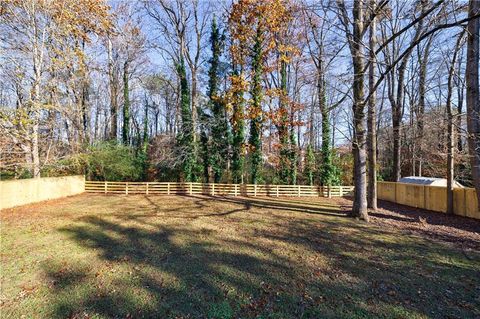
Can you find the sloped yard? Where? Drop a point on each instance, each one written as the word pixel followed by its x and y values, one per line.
pixel 96 256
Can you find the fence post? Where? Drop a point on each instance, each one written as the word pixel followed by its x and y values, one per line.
pixel 106 187
pixel 329 192
pixel 190 188
pixel 168 188
pixel 341 191
pixel 298 190
pixel 147 188
pixel 126 188
pixel 277 190
pixel 213 189
pixel 235 189
pixel 255 190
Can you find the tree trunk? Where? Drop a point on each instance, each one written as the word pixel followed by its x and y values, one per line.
pixel 35 150
pixel 126 106
pixel 422 88
pixel 473 94
pixel 194 102
pixel 371 119
pixel 398 103
pixel 113 94
pixel 450 129
pixel 359 141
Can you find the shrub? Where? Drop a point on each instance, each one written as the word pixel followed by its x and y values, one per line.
pixel 113 162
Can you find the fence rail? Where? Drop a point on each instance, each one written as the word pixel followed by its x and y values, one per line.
pixel 430 197
pixel 167 188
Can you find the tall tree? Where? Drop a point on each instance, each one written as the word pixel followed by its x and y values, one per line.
pixel 396 81
pixel 256 117
pixel 372 115
pixel 219 150
pixel 238 87
pixel 451 138
pixel 126 105
pixel 420 109
pixel 283 132
pixel 317 47
pixel 185 141
pixel 355 41
pixel 473 92
pixel 113 81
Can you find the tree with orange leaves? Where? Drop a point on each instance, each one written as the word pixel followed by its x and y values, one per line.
pixel 255 28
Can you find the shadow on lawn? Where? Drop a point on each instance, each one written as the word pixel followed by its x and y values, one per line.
pixel 181 271
pixel 412 214
pixel 277 204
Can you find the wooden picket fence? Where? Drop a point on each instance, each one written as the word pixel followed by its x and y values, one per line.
pixel 172 188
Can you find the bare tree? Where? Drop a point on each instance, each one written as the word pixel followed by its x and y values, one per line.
pixel 354 31
pixel 451 132
pixel 372 116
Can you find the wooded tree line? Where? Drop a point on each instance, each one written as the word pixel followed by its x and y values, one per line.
pixel 277 91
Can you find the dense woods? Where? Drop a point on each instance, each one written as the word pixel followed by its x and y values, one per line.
pixel 278 91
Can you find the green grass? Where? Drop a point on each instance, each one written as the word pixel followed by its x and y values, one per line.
pixel 95 256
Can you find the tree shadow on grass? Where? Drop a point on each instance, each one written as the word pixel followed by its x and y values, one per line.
pixel 294 268
pixel 406 273
pixel 278 204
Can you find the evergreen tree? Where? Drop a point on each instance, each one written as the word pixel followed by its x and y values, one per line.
pixel 185 137
pixel 255 139
pixel 219 147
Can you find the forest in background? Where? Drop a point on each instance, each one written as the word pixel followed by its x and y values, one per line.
pixel 285 92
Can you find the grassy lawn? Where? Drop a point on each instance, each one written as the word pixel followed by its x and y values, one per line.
pixel 93 256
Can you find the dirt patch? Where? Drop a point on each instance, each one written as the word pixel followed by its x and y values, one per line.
pixel 460 231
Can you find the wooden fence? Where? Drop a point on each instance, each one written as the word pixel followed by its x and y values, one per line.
pixel 166 188
pixel 430 197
